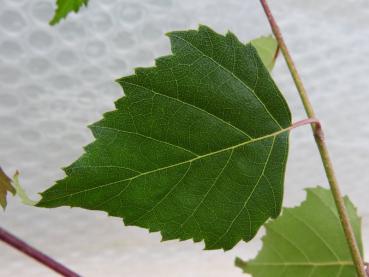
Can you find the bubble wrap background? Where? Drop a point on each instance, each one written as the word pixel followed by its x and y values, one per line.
pixel 56 80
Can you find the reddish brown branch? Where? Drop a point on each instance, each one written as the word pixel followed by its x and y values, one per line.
pixel 32 252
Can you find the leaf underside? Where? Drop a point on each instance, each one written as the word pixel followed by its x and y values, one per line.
pixel 196 149
pixel 307 241
pixel 64 7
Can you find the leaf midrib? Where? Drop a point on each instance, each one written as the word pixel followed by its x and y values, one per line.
pixel 173 165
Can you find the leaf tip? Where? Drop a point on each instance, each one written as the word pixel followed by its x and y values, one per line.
pixel 64 7
pixel 231 35
pixel 238 262
pixel 168 34
pixel 54 21
pixel 204 28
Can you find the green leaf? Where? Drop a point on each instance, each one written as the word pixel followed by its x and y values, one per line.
pixel 268 49
pixel 21 193
pixel 196 149
pixel 307 241
pixel 5 187
pixel 64 7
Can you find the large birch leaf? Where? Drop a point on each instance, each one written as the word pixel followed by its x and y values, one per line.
pixel 307 241
pixel 196 149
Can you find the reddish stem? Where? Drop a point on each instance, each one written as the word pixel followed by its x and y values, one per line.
pixel 32 252
pixel 320 142
pixel 310 120
pixel 318 131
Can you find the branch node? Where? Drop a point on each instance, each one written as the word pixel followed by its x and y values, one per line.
pixel 318 131
pixel 317 127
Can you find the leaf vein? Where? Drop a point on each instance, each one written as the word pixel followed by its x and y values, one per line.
pixel 191 105
pixel 173 165
pixel 326 244
pixel 210 189
pixel 139 134
pixel 235 76
pixel 249 197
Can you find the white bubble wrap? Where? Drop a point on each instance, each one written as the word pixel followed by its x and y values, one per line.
pixel 54 81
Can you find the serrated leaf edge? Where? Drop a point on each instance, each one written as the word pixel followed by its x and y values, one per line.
pixel 238 262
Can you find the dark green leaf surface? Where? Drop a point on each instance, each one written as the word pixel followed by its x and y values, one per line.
pixel 196 149
pixel 307 241
pixel 64 7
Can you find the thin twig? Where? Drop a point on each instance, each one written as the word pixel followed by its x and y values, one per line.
pixel 32 252
pixel 319 139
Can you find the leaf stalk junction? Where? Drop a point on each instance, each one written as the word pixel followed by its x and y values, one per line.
pixel 321 144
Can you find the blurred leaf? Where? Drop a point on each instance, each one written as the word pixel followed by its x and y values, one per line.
pixel 5 187
pixel 21 192
pixel 267 48
pixel 64 7
pixel 196 149
pixel 307 241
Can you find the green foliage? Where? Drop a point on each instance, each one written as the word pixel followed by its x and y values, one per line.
pixel 21 193
pixel 267 48
pixel 64 7
pixel 5 187
pixel 307 241
pixel 196 149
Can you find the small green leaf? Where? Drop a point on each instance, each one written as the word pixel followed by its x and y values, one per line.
pixel 21 192
pixel 268 49
pixel 64 7
pixel 196 149
pixel 307 241
pixel 5 187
